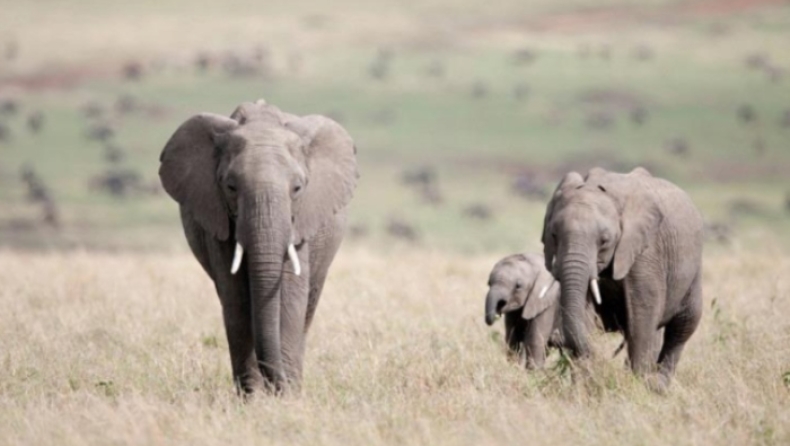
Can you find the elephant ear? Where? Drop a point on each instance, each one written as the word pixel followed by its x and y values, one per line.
pixel 188 170
pixel 572 180
pixel 546 285
pixel 640 220
pixel 331 164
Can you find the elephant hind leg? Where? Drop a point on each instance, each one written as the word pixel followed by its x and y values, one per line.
pixel 679 329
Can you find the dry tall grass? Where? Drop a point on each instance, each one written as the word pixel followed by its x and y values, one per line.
pixel 129 349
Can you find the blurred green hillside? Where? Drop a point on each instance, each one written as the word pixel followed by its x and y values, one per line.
pixel 487 104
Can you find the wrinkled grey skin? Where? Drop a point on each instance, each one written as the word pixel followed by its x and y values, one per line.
pixel 532 323
pixel 642 236
pixel 265 179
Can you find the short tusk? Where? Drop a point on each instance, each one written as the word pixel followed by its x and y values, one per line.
pixel 234 268
pixel 545 290
pixel 596 291
pixel 294 259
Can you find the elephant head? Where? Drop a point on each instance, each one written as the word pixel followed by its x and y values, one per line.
pixel 520 282
pixel 595 226
pixel 264 181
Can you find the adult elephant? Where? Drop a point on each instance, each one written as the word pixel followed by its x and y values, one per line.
pixel 635 242
pixel 263 197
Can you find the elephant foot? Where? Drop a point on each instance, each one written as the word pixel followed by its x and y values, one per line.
pixel 658 383
pixel 253 383
pixel 284 388
pixel 516 357
pixel 248 387
pixel 581 370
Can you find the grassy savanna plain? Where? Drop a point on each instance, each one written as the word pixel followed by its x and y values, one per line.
pixel 129 349
pixel 111 333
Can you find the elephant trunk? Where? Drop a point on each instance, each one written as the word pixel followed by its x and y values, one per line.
pixel 575 278
pixel 266 236
pixel 495 301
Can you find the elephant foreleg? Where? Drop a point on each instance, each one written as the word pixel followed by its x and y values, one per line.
pixel 235 299
pixel 644 301
pixel 515 332
pixel 678 331
pixel 293 310
pixel 323 248
pixel 537 338
pixel 238 328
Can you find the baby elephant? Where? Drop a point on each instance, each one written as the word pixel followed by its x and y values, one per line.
pixel 522 289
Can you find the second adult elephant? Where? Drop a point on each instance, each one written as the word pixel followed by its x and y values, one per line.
pixel 635 241
pixel 263 197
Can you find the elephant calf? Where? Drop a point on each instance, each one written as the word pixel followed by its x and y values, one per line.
pixel 527 294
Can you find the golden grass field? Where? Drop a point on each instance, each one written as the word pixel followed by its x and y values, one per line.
pixel 130 349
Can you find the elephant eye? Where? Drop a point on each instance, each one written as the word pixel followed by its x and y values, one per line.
pixel 231 187
pixel 295 190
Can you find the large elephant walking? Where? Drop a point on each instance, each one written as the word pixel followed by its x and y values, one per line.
pixel 263 197
pixel 635 242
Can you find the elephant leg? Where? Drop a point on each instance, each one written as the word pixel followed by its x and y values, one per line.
pixel 215 257
pixel 515 329
pixel 537 338
pixel 678 331
pixel 643 299
pixel 236 310
pixel 535 350
pixel 323 248
pixel 293 310
pixel 238 328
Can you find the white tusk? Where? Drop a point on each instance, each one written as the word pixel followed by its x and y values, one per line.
pixel 545 290
pixel 294 259
pixel 234 267
pixel 596 292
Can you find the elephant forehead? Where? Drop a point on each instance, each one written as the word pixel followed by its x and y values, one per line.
pixel 585 204
pixel 500 276
pixel 266 134
pixel 508 271
pixel 249 112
